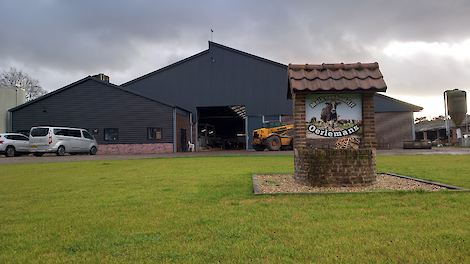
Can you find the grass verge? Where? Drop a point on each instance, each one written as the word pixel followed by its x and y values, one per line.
pixel 201 209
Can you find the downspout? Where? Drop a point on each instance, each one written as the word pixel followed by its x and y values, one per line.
pixel 196 140
pixel 191 126
pixel 247 136
pixel 175 142
pixel 7 121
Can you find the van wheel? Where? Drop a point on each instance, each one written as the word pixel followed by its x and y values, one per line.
pixel 60 151
pixel 10 151
pixel 93 151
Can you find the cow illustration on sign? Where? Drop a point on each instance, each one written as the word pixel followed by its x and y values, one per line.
pixel 333 115
pixel 329 115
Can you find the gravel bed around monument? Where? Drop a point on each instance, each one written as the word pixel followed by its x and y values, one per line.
pixel 284 183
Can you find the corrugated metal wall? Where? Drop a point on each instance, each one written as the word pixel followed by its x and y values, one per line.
pixel 220 76
pixel 392 128
pixel 96 105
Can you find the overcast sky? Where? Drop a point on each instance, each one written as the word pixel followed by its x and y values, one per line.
pixel 422 47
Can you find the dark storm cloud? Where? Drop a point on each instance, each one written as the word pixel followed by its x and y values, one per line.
pixel 76 34
pixel 131 38
pixel 107 34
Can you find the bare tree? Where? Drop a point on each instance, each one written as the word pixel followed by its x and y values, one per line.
pixel 15 78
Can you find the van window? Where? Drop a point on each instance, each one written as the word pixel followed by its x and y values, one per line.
pixel 67 132
pixel 18 137
pixel 61 132
pixel 39 132
pixel 74 133
pixel 87 135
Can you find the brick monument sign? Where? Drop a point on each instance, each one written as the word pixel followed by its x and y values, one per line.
pixel 334 130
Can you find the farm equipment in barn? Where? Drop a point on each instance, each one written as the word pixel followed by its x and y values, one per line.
pixel 273 136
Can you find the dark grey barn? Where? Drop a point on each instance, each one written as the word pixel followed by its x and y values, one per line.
pixel 228 89
pixel 211 83
pixel 121 120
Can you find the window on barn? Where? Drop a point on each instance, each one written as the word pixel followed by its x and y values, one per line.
pixel 111 134
pixel 154 133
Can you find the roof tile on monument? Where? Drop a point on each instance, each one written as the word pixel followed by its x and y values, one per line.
pixel 334 77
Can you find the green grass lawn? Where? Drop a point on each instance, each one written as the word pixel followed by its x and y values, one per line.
pixel 202 210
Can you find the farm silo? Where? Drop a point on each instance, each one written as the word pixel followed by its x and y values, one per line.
pixel 457 105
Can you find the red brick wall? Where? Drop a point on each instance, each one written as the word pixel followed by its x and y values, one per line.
pixel 300 131
pixel 368 120
pixel 335 167
pixel 151 148
pixel 287 119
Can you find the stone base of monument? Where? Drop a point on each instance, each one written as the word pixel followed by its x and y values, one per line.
pixel 335 167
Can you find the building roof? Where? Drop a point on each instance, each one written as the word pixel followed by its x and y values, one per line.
pixel 96 80
pixel 205 52
pixel 437 124
pixel 385 103
pixel 335 77
pixel 220 76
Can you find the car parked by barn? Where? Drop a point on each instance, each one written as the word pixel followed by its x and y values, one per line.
pixel 13 144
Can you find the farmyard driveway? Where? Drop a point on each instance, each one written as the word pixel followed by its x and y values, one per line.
pixel 53 158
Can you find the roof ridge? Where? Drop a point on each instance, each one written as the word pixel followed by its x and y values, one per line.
pixel 245 53
pixel 166 67
pixel 400 101
pixel 336 79
pixel 334 66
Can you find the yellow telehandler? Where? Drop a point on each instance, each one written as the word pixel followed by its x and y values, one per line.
pixel 273 136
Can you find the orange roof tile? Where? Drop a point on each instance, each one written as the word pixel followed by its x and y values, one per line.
pixel 335 77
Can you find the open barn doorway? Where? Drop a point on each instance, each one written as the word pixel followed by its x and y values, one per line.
pixel 221 127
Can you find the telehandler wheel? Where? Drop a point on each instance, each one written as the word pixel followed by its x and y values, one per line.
pixel 259 147
pixel 273 143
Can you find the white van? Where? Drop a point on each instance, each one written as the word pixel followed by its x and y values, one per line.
pixel 61 140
